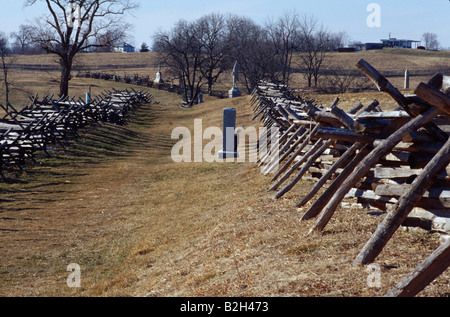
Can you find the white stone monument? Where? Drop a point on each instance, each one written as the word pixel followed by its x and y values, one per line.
pixel 159 79
pixel 235 92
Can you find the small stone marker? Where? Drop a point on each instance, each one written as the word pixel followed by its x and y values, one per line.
pixel 407 79
pixel 159 79
pixel 235 92
pixel 88 95
pixel 229 135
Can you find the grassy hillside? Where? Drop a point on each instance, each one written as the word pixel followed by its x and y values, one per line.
pixel 139 224
pixel 397 59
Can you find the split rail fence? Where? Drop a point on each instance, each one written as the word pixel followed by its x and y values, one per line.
pixel 391 161
pixel 147 82
pixel 50 123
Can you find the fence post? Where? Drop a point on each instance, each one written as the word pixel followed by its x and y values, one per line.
pixel 407 79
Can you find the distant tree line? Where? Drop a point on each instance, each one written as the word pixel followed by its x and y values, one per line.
pixel 198 52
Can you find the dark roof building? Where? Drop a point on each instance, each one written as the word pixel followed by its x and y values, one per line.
pixel 399 43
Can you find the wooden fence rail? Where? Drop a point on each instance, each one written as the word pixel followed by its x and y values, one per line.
pixel 146 81
pixel 49 123
pixel 393 161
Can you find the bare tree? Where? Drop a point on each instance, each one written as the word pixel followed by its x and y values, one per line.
pixel 431 41
pixel 5 65
pixel 216 47
pixel 72 26
pixel 22 38
pixel 286 40
pixel 338 40
pixel 181 49
pixel 339 79
pixel 254 51
pixel 315 45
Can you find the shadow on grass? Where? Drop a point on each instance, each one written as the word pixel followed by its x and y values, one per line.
pixel 48 180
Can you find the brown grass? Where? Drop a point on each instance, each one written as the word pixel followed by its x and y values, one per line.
pixel 139 224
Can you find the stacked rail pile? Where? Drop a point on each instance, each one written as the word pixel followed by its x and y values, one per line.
pixel 395 161
pixel 50 123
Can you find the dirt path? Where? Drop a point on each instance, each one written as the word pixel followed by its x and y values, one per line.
pixel 140 225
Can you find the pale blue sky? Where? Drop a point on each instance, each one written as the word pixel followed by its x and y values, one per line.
pixel 402 19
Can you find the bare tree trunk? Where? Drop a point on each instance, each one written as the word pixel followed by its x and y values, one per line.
pixel 309 81
pixel 5 80
pixel 65 78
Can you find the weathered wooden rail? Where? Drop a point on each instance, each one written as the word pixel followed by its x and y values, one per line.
pixel 147 82
pixel 50 123
pixel 393 161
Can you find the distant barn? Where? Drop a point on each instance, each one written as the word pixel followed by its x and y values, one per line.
pixel 125 48
pixel 391 42
pixel 398 43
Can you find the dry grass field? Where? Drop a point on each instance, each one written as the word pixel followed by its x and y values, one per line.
pixel 146 64
pixel 139 224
